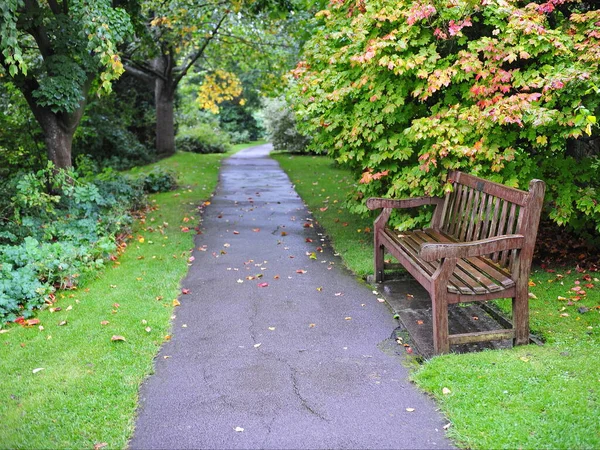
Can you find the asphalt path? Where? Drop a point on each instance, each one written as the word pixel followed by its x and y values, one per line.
pixel 277 345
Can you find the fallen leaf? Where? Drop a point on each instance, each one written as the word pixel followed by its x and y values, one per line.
pixel 320 288
pixel 69 308
pixel 168 337
pixel 31 322
pixel 410 409
pixel 347 318
pixel 256 230
pixel 446 391
pixel 257 345
pixel 419 322
pixel 100 445
pixel 263 284
pixel 117 338
pixel 532 295
pixel 312 255
pixel 104 322
pixel 301 271
pixel 148 329
pixel 271 328
pixel 63 323
pixel 176 302
pixel 283 233
pixel 448 425
pixel 4 331
pixel 39 369
pixel 312 325
pixel 240 280
pixel 524 359
pixel 309 240
pixel 338 294
pixel 185 291
pixel 381 300
pixel 276 277
pixel 238 429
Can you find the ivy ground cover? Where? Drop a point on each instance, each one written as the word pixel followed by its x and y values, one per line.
pixel 71 380
pixel 528 397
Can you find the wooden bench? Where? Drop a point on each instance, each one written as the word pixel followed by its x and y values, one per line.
pixel 479 247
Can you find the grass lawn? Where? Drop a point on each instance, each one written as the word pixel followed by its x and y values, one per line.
pixel 528 397
pixel 66 383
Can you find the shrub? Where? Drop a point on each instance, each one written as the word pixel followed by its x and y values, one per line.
pixel 280 122
pixel 60 228
pixel 202 138
pixel 159 180
pixel 402 92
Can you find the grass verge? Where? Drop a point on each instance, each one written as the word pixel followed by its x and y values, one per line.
pixel 526 397
pixel 65 382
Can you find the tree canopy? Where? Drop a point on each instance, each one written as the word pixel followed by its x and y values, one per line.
pixel 405 91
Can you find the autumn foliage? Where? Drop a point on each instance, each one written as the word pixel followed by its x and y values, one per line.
pixel 405 91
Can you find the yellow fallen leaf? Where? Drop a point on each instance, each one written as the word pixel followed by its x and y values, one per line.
pixel 524 359
pixel 176 302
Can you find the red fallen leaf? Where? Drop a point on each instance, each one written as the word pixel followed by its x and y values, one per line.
pixel 589 285
pixel 283 233
pixel 276 277
pixel 220 216
pixel 319 249
pixel 116 305
pixel 308 240
pixel 307 225
pixel 300 271
pixel 475 318
pixel 236 232
pixel 587 277
pixel 367 229
pixel 185 229
pixel 263 284
pixel 117 338
pixel 409 350
pixel 19 320
pixel 185 291
pixel 419 322
pixel 345 224
pixel 31 322
pixel 256 230
pixel 324 209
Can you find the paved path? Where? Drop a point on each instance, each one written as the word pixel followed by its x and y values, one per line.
pixel 305 362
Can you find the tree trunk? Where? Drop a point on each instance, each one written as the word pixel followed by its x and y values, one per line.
pixel 59 141
pixel 164 99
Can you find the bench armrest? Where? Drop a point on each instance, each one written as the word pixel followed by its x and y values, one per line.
pixel 435 251
pixel 378 203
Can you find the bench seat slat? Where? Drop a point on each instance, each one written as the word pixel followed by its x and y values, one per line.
pixel 472 276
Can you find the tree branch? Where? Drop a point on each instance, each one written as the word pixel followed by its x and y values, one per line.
pixel 200 51
pixel 142 71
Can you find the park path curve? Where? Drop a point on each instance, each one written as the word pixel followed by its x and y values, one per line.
pixel 305 362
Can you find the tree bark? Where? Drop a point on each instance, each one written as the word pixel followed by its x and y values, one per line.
pixel 164 98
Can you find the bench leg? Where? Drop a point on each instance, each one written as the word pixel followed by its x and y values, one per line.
pixel 439 306
pixel 520 313
pixel 379 256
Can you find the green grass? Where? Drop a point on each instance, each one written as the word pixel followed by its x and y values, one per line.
pixel 87 392
pixel 527 397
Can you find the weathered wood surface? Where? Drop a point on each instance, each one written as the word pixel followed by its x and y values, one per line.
pixel 479 247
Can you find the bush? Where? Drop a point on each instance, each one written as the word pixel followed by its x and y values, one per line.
pixel 402 92
pixel 59 228
pixel 202 138
pixel 280 122
pixel 159 180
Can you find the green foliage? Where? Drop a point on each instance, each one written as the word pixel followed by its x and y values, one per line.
pixel 402 92
pixel 60 228
pixel 158 180
pixel 202 138
pixel 280 122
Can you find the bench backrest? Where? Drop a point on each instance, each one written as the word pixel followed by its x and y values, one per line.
pixel 479 209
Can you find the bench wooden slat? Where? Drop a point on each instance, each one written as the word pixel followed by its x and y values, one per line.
pixel 483 264
pixel 411 248
pixel 498 279
pixel 489 187
pixel 478 336
pixel 469 282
